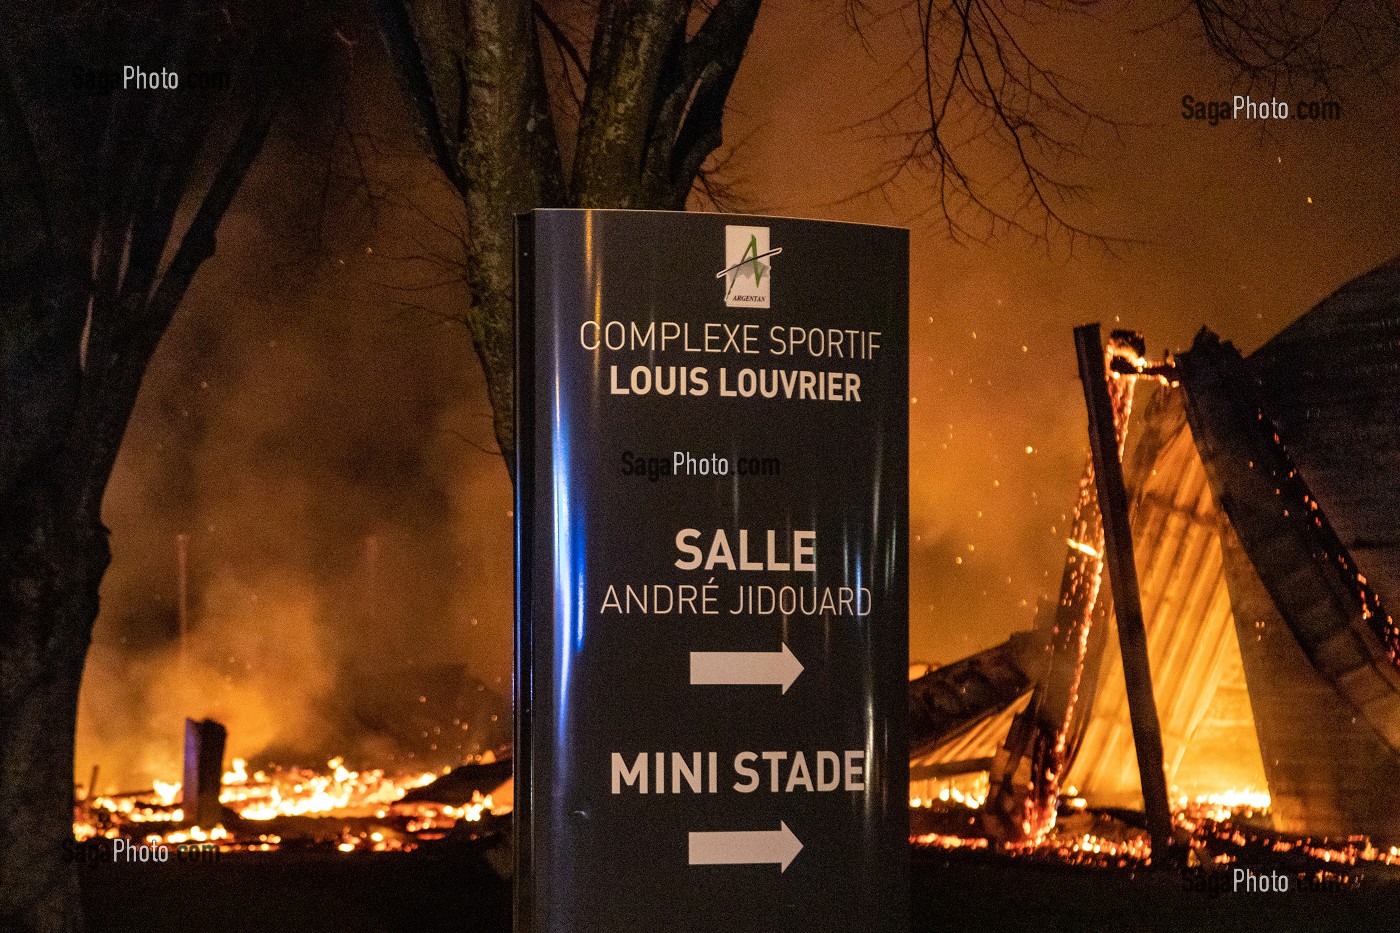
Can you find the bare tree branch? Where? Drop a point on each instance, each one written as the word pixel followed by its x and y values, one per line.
pixel 996 131
pixel 712 57
pixel 1277 42
pixel 407 51
pixel 110 390
pixel 568 53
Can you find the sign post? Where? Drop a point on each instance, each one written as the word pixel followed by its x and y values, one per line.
pixel 712 582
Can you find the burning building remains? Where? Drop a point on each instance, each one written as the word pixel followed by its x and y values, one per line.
pixel 1264 494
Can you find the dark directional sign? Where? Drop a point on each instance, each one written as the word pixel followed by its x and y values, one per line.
pixel 712 521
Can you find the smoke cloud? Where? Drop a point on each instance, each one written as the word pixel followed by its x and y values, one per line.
pixel 317 427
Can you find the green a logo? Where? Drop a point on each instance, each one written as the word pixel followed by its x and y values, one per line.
pixel 750 257
pixel 747 256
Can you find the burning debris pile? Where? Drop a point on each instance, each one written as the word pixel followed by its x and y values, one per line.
pixel 1213 831
pixel 280 807
pixel 425 721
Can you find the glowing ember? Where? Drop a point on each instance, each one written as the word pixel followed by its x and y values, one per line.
pixel 948 842
pixel 1083 548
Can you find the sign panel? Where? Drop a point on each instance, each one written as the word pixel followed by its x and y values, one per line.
pixel 712 593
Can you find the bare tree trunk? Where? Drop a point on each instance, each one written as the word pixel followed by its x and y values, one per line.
pixel 650 115
pixel 508 161
pixel 91 189
pixel 51 565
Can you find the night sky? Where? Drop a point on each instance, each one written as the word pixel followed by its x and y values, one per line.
pixel 302 402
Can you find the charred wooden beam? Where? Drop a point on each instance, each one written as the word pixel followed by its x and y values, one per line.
pixel 950 699
pixel 949 769
pixel 1122 575
pixel 1045 737
pixel 459 786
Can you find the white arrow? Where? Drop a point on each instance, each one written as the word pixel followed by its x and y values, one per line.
pixel 777 846
pixel 744 667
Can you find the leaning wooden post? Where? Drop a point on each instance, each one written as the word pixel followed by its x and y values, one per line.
pixel 1122 575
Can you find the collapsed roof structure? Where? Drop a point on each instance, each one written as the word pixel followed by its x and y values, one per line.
pixel 1265 512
